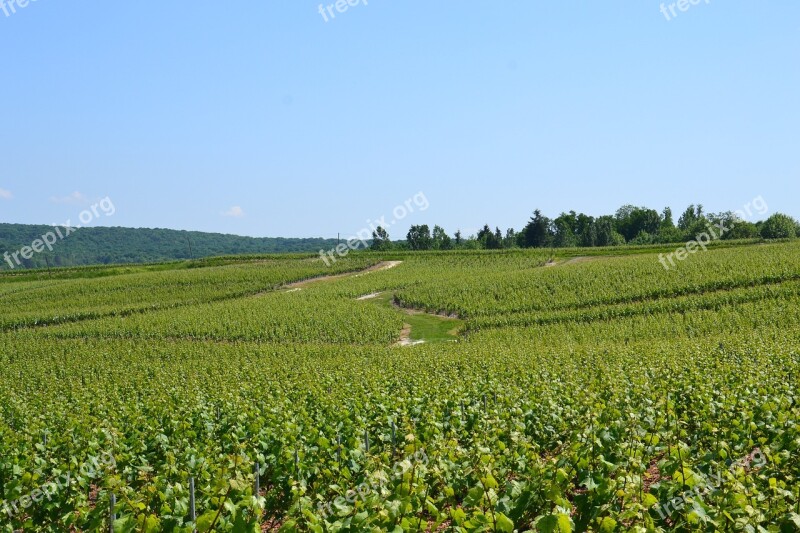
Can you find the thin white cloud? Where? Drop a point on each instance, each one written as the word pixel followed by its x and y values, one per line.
pixel 74 198
pixel 235 212
pixel 6 195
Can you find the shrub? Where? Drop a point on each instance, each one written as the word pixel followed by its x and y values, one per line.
pixel 779 226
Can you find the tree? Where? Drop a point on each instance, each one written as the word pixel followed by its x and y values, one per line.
pixel 565 228
pixel 569 220
pixel 779 226
pixel 669 235
pixel 471 243
pixel 441 240
pixel 458 238
pixel 488 239
pixel 666 219
pixel 693 222
pixel 735 228
pixel 585 230
pixel 641 239
pixel 510 240
pixel 632 221
pixel 606 234
pixel 743 230
pixel 564 234
pixel 667 232
pixel 419 238
pixel 690 217
pixel 538 232
pixel 380 240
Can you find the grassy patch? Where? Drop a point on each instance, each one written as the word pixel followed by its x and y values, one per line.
pixel 432 328
pixel 424 327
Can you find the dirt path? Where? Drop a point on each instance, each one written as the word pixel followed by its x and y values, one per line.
pixel 405 337
pixel 414 312
pixel 579 259
pixel 368 296
pixel 383 265
pixel 429 323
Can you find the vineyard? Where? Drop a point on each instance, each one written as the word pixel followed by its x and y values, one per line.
pixel 599 393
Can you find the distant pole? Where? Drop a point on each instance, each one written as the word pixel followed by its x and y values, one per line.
pixel 257 482
pixel 192 505
pixel 191 256
pixel 112 513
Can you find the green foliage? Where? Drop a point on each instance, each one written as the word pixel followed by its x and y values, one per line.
pixel 670 234
pixel 538 233
pixel 606 233
pixel 566 231
pixel 642 238
pixel 741 229
pixel 490 240
pixel 419 238
pixel 380 240
pixel 123 295
pixel 632 222
pixel 100 245
pixel 691 217
pixel 587 396
pixel 779 226
pixel 441 240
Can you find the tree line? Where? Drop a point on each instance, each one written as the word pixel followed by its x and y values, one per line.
pixel 104 245
pixel 630 225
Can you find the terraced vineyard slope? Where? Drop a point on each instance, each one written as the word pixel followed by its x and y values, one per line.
pixel 606 394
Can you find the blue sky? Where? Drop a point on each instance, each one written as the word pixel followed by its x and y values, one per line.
pixel 182 111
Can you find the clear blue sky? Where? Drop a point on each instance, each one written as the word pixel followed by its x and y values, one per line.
pixel 180 111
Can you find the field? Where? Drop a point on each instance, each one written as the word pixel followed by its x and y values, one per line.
pixel 461 391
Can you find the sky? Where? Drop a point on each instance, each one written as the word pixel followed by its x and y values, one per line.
pixel 286 118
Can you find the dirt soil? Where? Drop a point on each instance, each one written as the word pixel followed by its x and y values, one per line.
pixel 384 265
pixel 581 259
pixel 405 337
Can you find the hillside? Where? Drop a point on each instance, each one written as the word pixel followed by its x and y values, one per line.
pixel 538 390
pixel 89 246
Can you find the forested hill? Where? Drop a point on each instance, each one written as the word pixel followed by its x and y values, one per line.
pixel 100 245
